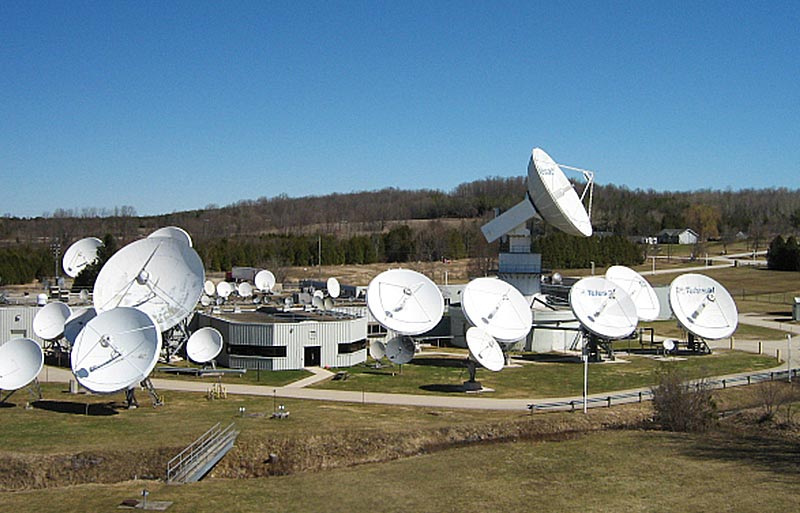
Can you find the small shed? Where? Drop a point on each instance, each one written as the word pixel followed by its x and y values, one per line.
pixel 677 236
pixel 796 309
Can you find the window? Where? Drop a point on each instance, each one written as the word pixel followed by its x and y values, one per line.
pixel 263 351
pixel 352 347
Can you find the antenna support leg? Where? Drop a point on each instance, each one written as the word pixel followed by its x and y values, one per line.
pixel 157 399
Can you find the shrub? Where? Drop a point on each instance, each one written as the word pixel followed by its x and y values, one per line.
pixel 680 405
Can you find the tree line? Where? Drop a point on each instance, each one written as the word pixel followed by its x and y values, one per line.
pixel 784 255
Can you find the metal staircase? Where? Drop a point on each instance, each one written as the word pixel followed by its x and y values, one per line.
pixel 194 462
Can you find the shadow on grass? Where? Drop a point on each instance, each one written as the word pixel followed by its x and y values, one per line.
pixel 772 453
pixel 444 389
pixel 439 362
pixel 549 358
pixel 92 409
pixel 7 405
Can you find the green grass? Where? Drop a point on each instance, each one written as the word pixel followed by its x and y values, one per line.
pixel 545 376
pixel 671 329
pixel 266 378
pixel 632 471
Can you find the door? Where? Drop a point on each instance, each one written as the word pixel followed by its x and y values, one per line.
pixel 313 356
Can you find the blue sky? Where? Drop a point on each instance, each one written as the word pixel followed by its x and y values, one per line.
pixel 170 106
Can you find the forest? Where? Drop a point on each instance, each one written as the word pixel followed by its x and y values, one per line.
pixel 392 225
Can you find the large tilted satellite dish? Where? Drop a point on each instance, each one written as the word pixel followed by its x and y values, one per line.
pixel 173 232
pixel 405 301
pixel 116 350
pixel 498 308
pixel 377 349
pixel 703 306
pixel 204 345
pixel 640 291
pixel 80 254
pixel 603 308
pixel 21 360
pixel 334 288
pixel 264 280
pixel 75 323
pixel 160 276
pixel 550 197
pixel 485 349
pixel 48 323
pixel 400 350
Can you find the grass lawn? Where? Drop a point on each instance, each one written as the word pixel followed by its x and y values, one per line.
pixel 671 329
pixel 632 471
pixel 266 378
pixel 542 376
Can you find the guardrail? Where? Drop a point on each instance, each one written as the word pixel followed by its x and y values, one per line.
pixel 595 401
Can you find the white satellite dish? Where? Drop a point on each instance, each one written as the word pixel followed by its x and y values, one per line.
pixel 75 323
pixel 319 294
pixel 116 350
pixel 209 288
pixel 204 345
pixel 21 360
pixel 485 349
pixel 173 232
pixel 48 323
pixel 640 291
pixel 80 254
pixel 83 295
pixel 244 289
pixel 668 345
pixel 317 302
pixel 205 300
pixel 160 276
pixel 550 197
pixel 264 280
pixel 224 289
pixel 327 304
pixel 334 289
pixel 377 349
pixel 41 299
pixel 400 350
pixel 405 301
pixel 703 306
pixel 498 308
pixel 603 308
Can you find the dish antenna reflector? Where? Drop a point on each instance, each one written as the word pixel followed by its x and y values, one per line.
pixel 400 350
pixel 21 360
pixel 485 349
pixel 77 321
pixel 244 289
pixel 640 291
pixel 160 276
pixel 204 345
pixel 498 308
pixel 668 345
pixel 377 349
pixel 264 280
pixel 334 289
pixel 224 289
pixel 603 308
pixel 327 304
pixel 173 232
pixel 550 197
pixel 116 350
pixel 48 323
pixel 317 301
pixel 405 301
pixel 80 254
pixel 209 288
pixel 703 306
pixel 205 300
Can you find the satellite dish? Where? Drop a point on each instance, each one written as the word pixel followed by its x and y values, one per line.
pixel 224 289
pixel 319 294
pixel 264 280
pixel 75 323
pixel 21 360
pixel 400 350
pixel 377 349
pixel 498 308
pixel 334 289
pixel 205 300
pixel 550 197
pixel 317 302
pixel 603 308
pixel 204 345
pixel 556 278
pixel 244 289
pixel 48 323
pixel 288 302
pixel 209 288
pixel 83 295
pixel 41 299
pixel 80 254
pixel 159 276
pixel 405 301
pixel 327 304
pixel 703 306
pixel 640 291
pixel 173 232
pixel 116 350
pixel 668 345
pixel 485 349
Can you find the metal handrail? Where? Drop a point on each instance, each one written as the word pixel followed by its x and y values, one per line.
pixel 197 450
